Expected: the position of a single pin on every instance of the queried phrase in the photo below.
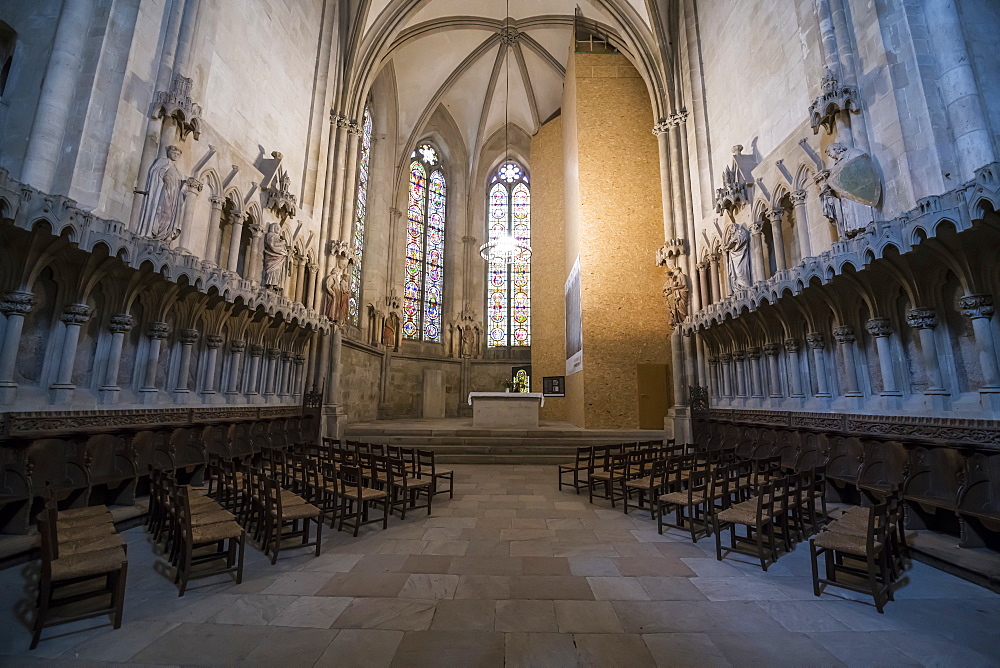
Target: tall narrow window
(509, 285)
(423, 276)
(358, 240)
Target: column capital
(300, 359)
(739, 355)
(725, 358)
(287, 356)
(921, 318)
(273, 354)
(213, 341)
(815, 340)
(775, 214)
(237, 346)
(713, 361)
(772, 349)
(157, 330)
(757, 228)
(792, 346)
(799, 197)
(193, 186)
(121, 323)
(395, 213)
(754, 353)
(75, 314)
(844, 334)
(17, 303)
(879, 327)
(976, 306)
(661, 126)
(256, 350)
(189, 336)
(217, 201)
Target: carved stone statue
(337, 286)
(275, 258)
(163, 188)
(467, 346)
(829, 200)
(389, 327)
(677, 294)
(737, 245)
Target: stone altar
(505, 409)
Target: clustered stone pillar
(192, 188)
(255, 257)
(188, 338)
(74, 317)
(845, 337)
(156, 331)
(213, 342)
(792, 347)
(714, 275)
(286, 364)
(801, 221)
(924, 320)
(713, 376)
(756, 380)
(252, 383)
(120, 325)
(757, 251)
(236, 348)
(15, 305)
(300, 361)
(774, 373)
(707, 296)
(273, 357)
(979, 309)
(881, 329)
(817, 344)
(739, 357)
(727, 379)
(777, 237)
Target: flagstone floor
(512, 572)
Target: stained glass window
(509, 285)
(358, 240)
(423, 275)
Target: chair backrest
(425, 463)
(765, 502)
(272, 494)
(584, 455)
(182, 502)
(349, 480)
(602, 453)
(47, 532)
(377, 449)
(393, 451)
(328, 473)
(698, 484)
(398, 469)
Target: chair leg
(319, 535)
(120, 579)
(239, 562)
(718, 540)
(813, 558)
(45, 598)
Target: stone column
(714, 275)
(661, 130)
(234, 241)
(817, 344)
(271, 371)
(845, 337)
(774, 373)
(120, 325)
(15, 305)
(881, 329)
(192, 188)
(677, 367)
(792, 348)
(756, 384)
(213, 342)
(979, 309)
(801, 216)
(188, 338)
(924, 320)
(727, 380)
(713, 375)
(58, 89)
(156, 331)
(707, 296)
(300, 361)
(757, 266)
(777, 236)
(739, 357)
(958, 88)
(255, 256)
(250, 382)
(283, 374)
(236, 349)
(214, 230)
(74, 317)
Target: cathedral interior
(499, 332)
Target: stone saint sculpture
(337, 286)
(467, 346)
(275, 258)
(737, 245)
(676, 294)
(163, 193)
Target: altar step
(460, 445)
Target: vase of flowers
(507, 385)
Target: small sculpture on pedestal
(275, 259)
(163, 191)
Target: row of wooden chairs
(591, 460)
(77, 546)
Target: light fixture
(506, 249)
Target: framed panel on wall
(554, 386)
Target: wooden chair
(282, 520)
(650, 487)
(404, 489)
(62, 570)
(757, 516)
(356, 499)
(611, 475)
(691, 506)
(195, 533)
(427, 468)
(841, 545)
(581, 464)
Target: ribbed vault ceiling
(459, 54)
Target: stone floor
(513, 572)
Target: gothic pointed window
(423, 274)
(360, 209)
(509, 285)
